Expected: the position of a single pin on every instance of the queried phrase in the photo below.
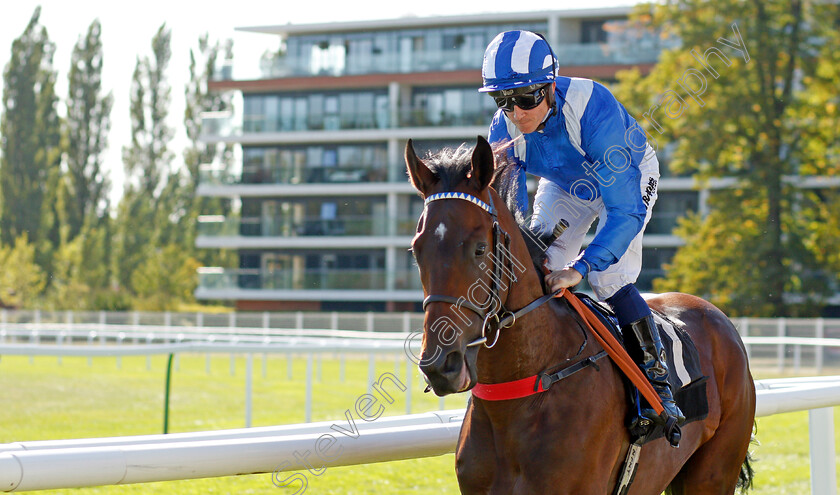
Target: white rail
(289, 449)
(111, 342)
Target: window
(670, 206)
(316, 112)
(593, 32)
(331, 120)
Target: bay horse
(572, 438)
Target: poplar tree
(87, 125)
(147, 162)
(30, 139)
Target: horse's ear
(483, 164)
(421, 177)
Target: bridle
(501, 317)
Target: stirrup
(673, 432)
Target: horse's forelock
(450, 165)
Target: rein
(501, 317)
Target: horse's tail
(745, 477)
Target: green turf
(42, 399)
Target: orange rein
(615, 350)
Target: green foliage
(133, 235)
(79, 277)
(86, 134)
(21, 279)
(69, 253)
(147, 159)
(762, 112)
(166, 278)
(30, 131)
(148, 213)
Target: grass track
(42, 399)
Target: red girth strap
(531, 385)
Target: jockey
(593, 161)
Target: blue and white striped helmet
(515, 59)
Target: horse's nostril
(453, 363)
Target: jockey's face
(527, 121)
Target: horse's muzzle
(451, 372)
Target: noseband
(502, 317)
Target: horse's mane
(452, 165)
(508, 188)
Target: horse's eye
(480, 249)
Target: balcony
(620, 52)
(422, 117)
(215, 279)
(214, 175)
(226, 125)
(220, 226)
(576, 54)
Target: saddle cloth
(686, 379)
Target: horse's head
(462, 250)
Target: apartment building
(325, 213)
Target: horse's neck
(540, 339)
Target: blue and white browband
(457, 195)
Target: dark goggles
(525, 101)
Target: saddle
(687, 381)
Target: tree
(141, 217)
(86, 128)
(31, 139)
(166, 279)
(21, 279)
(742, 98)
(79, 278)
(148, 158)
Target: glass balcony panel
(216, 175)
(282, 226)
(305, 279)
(571, 54)
(219, 124)
(412, 54)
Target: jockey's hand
(560, 279)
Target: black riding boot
(655, 367)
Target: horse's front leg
(475, 455)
